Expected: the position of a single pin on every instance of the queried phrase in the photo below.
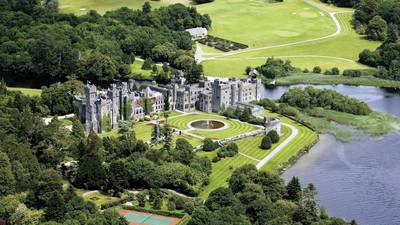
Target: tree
(167, 136)
(335, 71)
(141, 198)
(209, 145)
(317, 69)
(266, 142)
(56, 207)
(219, 198)
(57, 99)
(7, 181)
(392, 34)
(294, 189)
(183, 151)
(155, 133)
(246, 115)
(147, 64)
(25, 216)
(166, 102)
(201, 216)
(157, 202)
(91, 173)
(146, 8)
(274, 136)
(376, 29)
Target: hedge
(117, 203)
(154, 211)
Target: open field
(79, 7)
(235, 127)
(136, 69)
(341, 51)
(302, 78)
(259, 23)
(223, 169)
(27, 91)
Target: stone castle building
(101, 110)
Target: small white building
(197, 32)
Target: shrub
(209, 145)
(352, 73)
(317, 69)
(335, 71)
(274, 136)
(266, 142)
(228, 151)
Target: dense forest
(379, 20)
(40, 44)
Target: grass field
(235, 127)
(27, 91)
(80, 7)
(223, 169)
(302, 78)
(259, 23)
(136, 69)
(341, 51)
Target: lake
(359, 179)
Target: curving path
(199, 54)
(280, 147)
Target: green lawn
(304, 138)
(302, 78)
(142, 130)
(80, 7)
(259, 23)
(235, 127)
(341, 51)
(136, 70)
(27, 91)
(223, 169)
(99, 199)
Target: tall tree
(294, 189)
(7, 179)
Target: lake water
(359, 179)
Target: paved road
(280, 147)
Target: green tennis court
(141, 218)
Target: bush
(158, 212)
(352, 73)
(266, 142)
(274, 136)
(228, 151)
(335, 71)
(209, 145)
(317, 69)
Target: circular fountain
(207, 125)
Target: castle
(101, 110)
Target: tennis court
(142, 218)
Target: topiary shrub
(274, 136)
(266, 142)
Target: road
(294, 133)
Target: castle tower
(113, 94)
(91, 108)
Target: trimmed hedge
(154, 211)
(222, 44)
(117, 203)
